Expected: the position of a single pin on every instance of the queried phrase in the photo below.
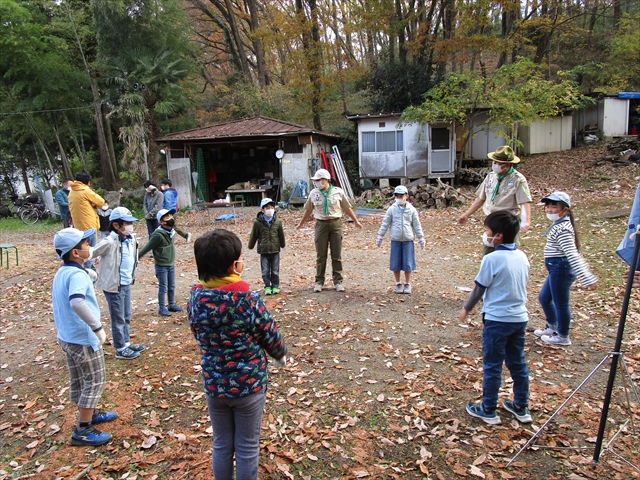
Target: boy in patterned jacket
(235, 332)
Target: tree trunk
(257, 43)
(313, 57)
(238, 40)
(110, 149)
(66, 169)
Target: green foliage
(394, 87)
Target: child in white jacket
(404, 225)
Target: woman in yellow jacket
(83, 202)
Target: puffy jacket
(270, 237)
(152, 204)
(170, 199)
(83, 202)
(110, 252)
(403, 223)
(161, 243)
(233, 329)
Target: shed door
(441, 150)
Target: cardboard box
(247, 185)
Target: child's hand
(280, 363)
(422, 243)
(463, 314)
(379, 241)
(101, 336)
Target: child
(118, 254)
(502, 283)
(234, 331)
(564, 263)
(164, 256)
(103, 215)
(402, 219)
(267, 231)
(151, 204)
(170, 202)
(80, 334)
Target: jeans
(236, 426)
(554, 296)
(92, 243)
(166, 285)
(328, 233)
(152, 225)
(503, 342)
(270, 265)
(120, 312)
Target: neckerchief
(325, 207)
(219, 282)
(500, 178)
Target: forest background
(92, 84)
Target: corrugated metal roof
(248, 127)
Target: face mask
(105, 207)
(89, 253)
(163, 187)
(148, 190)
(553, 216)
(485, 240)
(318, 185)
(496, 167)
(268, 212)
(400, 201)
(128, 230)
(170, 223)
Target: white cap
(266, 201)
(321, 173)
(400, 190)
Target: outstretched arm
(475, 206)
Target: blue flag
(625, 249)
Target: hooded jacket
(110, 252)
(83, 202)
(152, 204)
(170, 199)
(270, 237)
(161, 243)
(403, 223)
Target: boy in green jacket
(267, 231)
(164, 256)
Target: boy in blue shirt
(502, 281)
(80, 334)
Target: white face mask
(318, 184)
(496, 167)
(127, 229)
(105, 207)
(485, 240)
(553, 216)
(400, 201)
(268, 212)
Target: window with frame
(392, 141)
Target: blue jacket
(625, 249)
(170, 199)
(62, 197)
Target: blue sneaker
(89, 436)
(522, 414)
(175, 308)
(137, 348)
(477, 410)
(102, 417)
(127, 354)
(164, 312)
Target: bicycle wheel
(29, 215)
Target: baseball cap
(400, 190)
(321, 173)
(266, 201)
(557, 197)
(164, 212)
(66, 239)
(122, 213)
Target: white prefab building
(610, 115)
(549, 135)
(388, 149)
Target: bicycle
(33, 211)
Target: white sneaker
(407, 288)
(546, 331)
(339, 287)
(317, 288)
(556, 339)
(188, 239)
(399, 287)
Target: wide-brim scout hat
(504, 154)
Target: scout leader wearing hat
(503, 188)
(268, 232)
(327, 204)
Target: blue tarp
(227, 216)
(632, 95)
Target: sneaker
(275, 290)
(522, 414)
(339, 287)
(102, 417)
(188, 238)
(127, 354)
(267, 290)
(477, 410)
(164, 312)
(399, 288)
(407, 288)
(317, 288)
(89, 436)
(175, 308)
(556, 339)
(546, 331)
(136, 348)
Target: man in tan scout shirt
(503, 188)
(327, 204)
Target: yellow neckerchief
(219, 282)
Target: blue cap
(66, 239)
(401, 190)
(164, 212)
(122, 213)
(266, 201)
(558, 197)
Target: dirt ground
(377, 382)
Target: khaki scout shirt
(513, 192)
(338, 202)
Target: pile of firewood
(471, 175)
(621, 152)
(425, 195)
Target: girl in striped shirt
(564, 264)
